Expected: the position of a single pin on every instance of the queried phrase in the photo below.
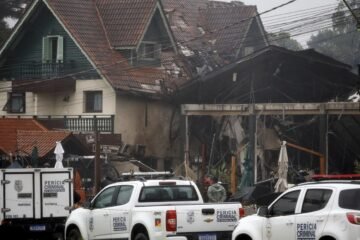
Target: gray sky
(264, 5)
(296, 9)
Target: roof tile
(82, 20)
(9, 128)
(125, 20)
(99, 26)
(45, 141)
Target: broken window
(93, 101)
(15, 103)
(248, 50)
(149, 51)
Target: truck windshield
(168, 194)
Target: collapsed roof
(274, 74)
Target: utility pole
(354, 15)
(97, 163)
(252, 142)
(186, 157)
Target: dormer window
(53, 49)
(248, 50)
(149, 51)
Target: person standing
(215, 192)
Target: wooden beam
(307, 150)
(330, 108)
(322, 164)
(233, 175)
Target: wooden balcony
(44, 77)
(37, 70)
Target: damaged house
(124, 67)
(115, 66)
(282, 81)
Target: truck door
(56, 194)
(99, 224)
(19, 199)
(281, 223)
(120, 213)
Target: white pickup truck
(325, 210)
(35, 201)
(153, 209)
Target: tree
(10, 9)
(283, 39)
(342, 40)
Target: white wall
(130, 114)
(5, 87)
(64, 103)
(72, 103)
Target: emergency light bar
(318, 177)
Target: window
(15, 103)
(285, 205)
(53, 49)
(124, 195)
(315, 199)
(104, 199)
(349, 199)
(149, 51)
(93, 101)
(168, 194)
(248, 50)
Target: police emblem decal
(18, 185)
(190, 217)
(91, 224)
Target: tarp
(282, 184)
(59, 154)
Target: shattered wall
(153, 124)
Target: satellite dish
(216, 193)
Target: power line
(80, 100)
(132, 67)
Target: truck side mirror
(263, 211)
(87, 204)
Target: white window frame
(142, 54)
(47, 49)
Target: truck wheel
(141, 236)
(74, 234)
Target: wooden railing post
(112, 123)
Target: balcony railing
(39, 70)
(90, 124)
(83, 124)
